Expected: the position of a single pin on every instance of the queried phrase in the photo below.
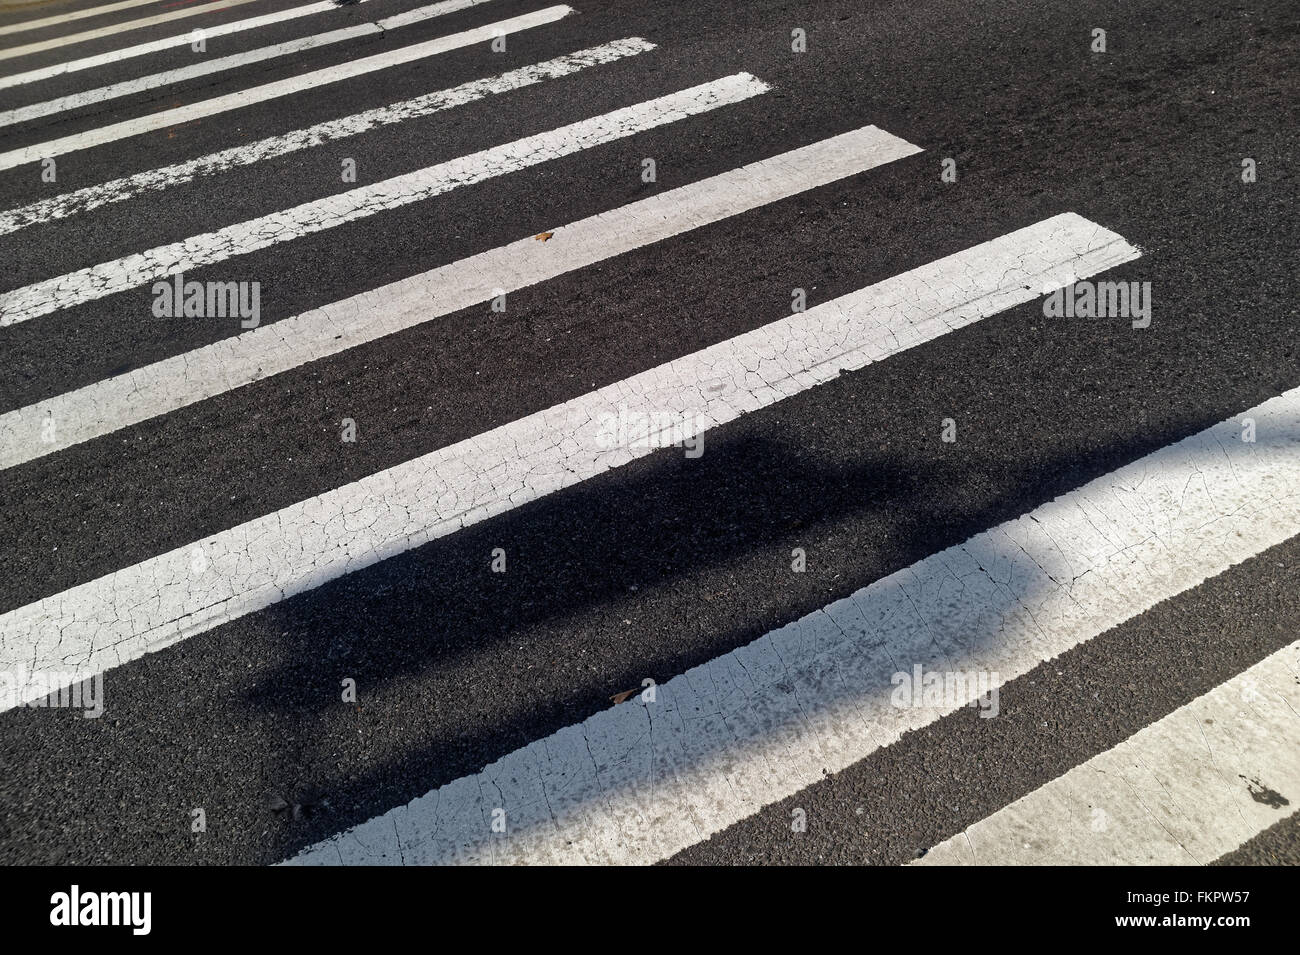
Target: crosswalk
(83, 36)
(211, 66)
(479, 627)
(209, 32)
(84, 285)
(1184, 813)
(269, 91)
(119, 190)
(816, 695)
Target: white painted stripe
(153, 180)
(42, 45)
(641, 781)
(52, 107)
(255, 355)
(40, 24)
(184, 39)
(169, 78)
(279, 88)
(204, 67)
(1183, 791)
(124, 615)
(98, 281)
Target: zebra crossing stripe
(268, 91)
(235, 61)
(41, 46)
(210, 33)
(159, 601)
(88, 284)
(207, 67)
(1183, 791)
(85, 413)
(648, 778)
(43, 22)
(165, 177)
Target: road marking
(102, 94)
(119, 190)
(208, 248)
(644, 780)
(285, 87)
(184, 39)
(1185, 790)
(124, 615)
(72, 38)
(182, 380)
(235, 61)
(73, 15)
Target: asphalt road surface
(649, 432)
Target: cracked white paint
(86, 285)
(25, 25)
(175, 382)
(639, 782)
(99, 32)
(314, 80)
(121, 616)
(171, 42)
(153, 180)
(1185, 790)
(207, 67)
